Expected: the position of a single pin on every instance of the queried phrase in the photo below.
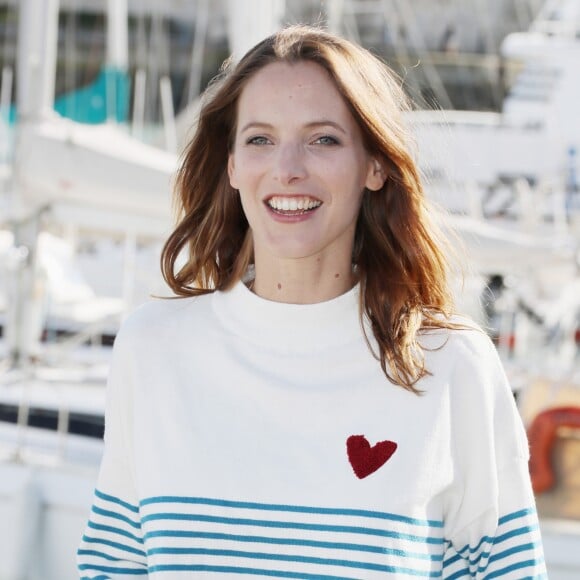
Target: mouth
(293, 205)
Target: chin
(292, 248)
(294, 254)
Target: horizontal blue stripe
(513, 567)
(114, 570)
(516, 515)
(465, 559)
(516, 532)
(116, 516)
(500, 555)
(118, 501)
(292, 508)
(238, 570)
(459, 574)
(502, 538)
(481, 556)
(507, 569)
(492, 559)
(468, 548)
(291, 525)
(123, 547)
(292, 542)
(503, 520)
(98, 554)
(101, 577)
(114, 530)
(514, 550)
(452, 560)
(289, 558)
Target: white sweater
(253, 438)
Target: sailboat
(88, 178)
(66, 177)
(535, 137)
(517, 172)
(100, 179)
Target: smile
(295, 205)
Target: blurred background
(98, 99)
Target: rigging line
(158, 58)
(334, 11)
(523, 11)
(140, 83)
(197, 51)
(491, 47)
(401, 52)
(349, 22)
(69, 60)
(407, 13)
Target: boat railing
(50, 422)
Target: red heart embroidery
(366, 459)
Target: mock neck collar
(290, 327)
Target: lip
(294, 217)
(291, 196)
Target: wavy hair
(397, 252)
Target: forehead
(301, 89)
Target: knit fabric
(252, 438)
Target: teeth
(293, 203)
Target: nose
(290, 164)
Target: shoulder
(462, 338)
(481, 400)
(472, 342)
(465, 358)
(161, 319)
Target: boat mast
(36, 66)
(117, 59)
(251, 21)
(36, 58)
(117, 35)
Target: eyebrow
(311, 125)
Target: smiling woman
(269, 423)
(301, 168)
(349, 105)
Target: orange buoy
(542, 436)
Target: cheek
(352, 186)
(245, 172)
(350, 179)
(249, 204)
(350, 168)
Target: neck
(301, 281)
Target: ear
(232, 171)
(376, 175)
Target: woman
(309, 409)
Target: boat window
(86, 424)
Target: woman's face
(299, 163)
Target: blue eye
(327, 140)
(258, 140)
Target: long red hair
(397, 252)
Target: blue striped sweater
(251, 438)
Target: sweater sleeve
(112, 545)
(491, 524)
